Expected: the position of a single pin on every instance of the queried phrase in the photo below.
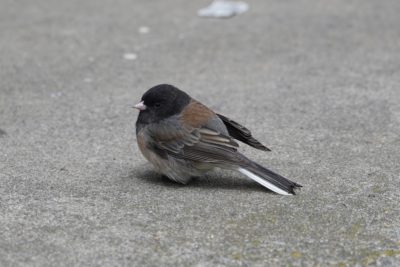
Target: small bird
(183, 138)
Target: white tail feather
(263, 182)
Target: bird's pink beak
(140, 106)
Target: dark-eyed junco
(183, 138)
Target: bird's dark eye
(157, 105)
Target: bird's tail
(268, 178)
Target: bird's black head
(160, 102)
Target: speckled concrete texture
(317, 81)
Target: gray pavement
(317, 81)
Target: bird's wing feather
(241, 133)
(199, 144)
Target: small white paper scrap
(223, 9)
(130, 56)
(144, 29)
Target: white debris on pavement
(144, 29)
(223, 9)
(130, 56)
(56, 94)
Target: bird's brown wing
(241, 133)
(198, 144)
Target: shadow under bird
(183, 138)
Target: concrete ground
(317, 81)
